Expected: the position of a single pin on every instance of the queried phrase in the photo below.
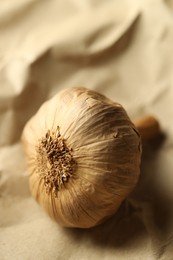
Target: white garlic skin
(105, 146)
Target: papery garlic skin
(105, 152)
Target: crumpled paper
(122, 49)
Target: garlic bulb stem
(148, 128)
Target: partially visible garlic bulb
(83, 155)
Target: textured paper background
(122, 49)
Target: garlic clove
(83, 155)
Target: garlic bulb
(83, 155)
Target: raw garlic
(83, 154)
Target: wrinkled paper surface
(122, 49)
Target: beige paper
(122, 49)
